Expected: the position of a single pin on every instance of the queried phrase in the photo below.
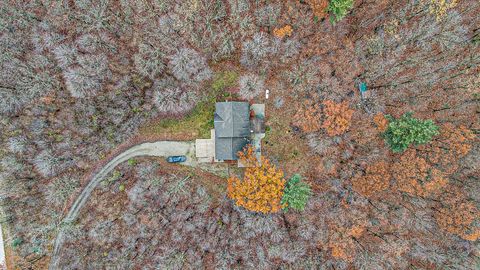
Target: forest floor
(197, 123)
(146, 71)
(155, 149)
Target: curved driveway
(155, 149)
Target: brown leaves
(357, 231)
(338, 251)
(341, 242)
(337, 117)
(376, 179)
(319, 7)
(458, 217)
(424, 172)
(381, 122)
(452, 144)
(308, 117)
(415, 176)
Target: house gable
(232, 129)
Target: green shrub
(296, 194)
(476, 39)
(132, 162)
(339, 9)
(115, 176)
(406, 130)
(17, 242)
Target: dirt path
(155, 149)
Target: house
(232, 129)
(237, 124)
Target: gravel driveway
(155, 149)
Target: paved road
(156, 149)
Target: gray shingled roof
(232, 129)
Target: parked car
(176, 159)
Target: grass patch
(280, 142)
(199, 121)
(223, 80)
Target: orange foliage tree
(283, 31)
(308, 118)
(424, 171)
(261, 188)
(458, 216)
(340, 250)
(341, 242)
(376, 179)
(415, 176)
(319, 7)
(452, 144)
(381, 122)
(337, 117)
(247, 157)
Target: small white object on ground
(267, 92)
